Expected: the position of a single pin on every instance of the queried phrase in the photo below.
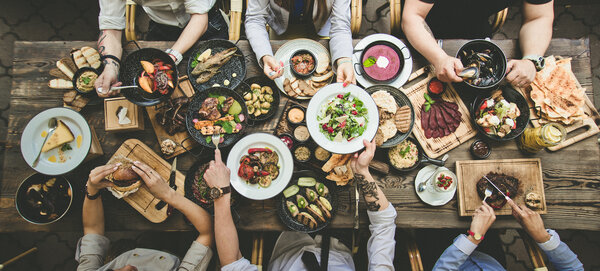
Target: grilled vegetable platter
(308, 203)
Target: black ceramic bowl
(291, 222)
(422, 158)
(294, 124)
(132, 69)
(497, 55)
(479, 141)
(303, 75)
(394, 48)
(401, 100)
(237, 65)
(60, 197)
(195, 105)
(244, 88)
(510, 95)
(296, 146)
(78, 74)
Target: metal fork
(488, 192)
(216, 137)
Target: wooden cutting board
(435, 147)
(527, 171)
(142, 200)
(184, 87)
(586, 128)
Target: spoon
(216, 138)
(470, 72)
(488, 192)
(52, 123)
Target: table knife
(161, 204)
(356, 222)
(495, 187)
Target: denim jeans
(217, 29)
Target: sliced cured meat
(441, 122)
(432, 121)
(424, 119)
(450, 120)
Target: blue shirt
(461, 255)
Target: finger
(516, 208)
(142, 174)
(143, 167)
(218, 156)
(487, 208)
(511, 76)
(510, 66)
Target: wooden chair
(534, 251)
(235, 18)
(396, 17)
(257, 250)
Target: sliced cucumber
(290, 191)
(306, 181)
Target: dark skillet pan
(282, 209)
(423, 158)
(195, 105)
(394, 48)
(132, 69)
(237, 65)
(190, 179)
(401, 100)
(244, 88)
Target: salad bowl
(339, 118)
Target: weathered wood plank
(571, 176)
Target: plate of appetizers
(66, 146)
(216, 63)
(339, 118)
(263, 166)
(309, 202)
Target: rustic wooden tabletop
(571, 176)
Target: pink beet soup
(382, 73)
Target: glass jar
(534, 139)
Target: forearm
(256, 31)
(535, 36)
(93, 214)
(421, 38)
(226, 234)
(195, 28)
(374, 197)
(109, 43)
(199, 217)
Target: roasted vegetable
(311, 195)
(324, 209)
(306, 181)
(306, 219)
(325, 203)
(292, 208)
(301, 201)
(322, 189)
(316, 212)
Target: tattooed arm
(420, 36)
(374, 197)
(109, 43)
(382, 215)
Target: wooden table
(571, 176)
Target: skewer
(16, 258)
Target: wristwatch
(216, 192)
(538, 61)
(177, 55)
(476, 236)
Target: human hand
(345, 73)
(520, 72)
(109, 78)
(483, 218)
(271, 68)
(447, 69)
(217, 174)
(97, 181)
(530, 221)
(360, 163)
(155, 183)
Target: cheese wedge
(61, 135)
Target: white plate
(324, 95)
(286, 166)
(434, 198)
(31, 141)
(356, 62)
(285, 52)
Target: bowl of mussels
(484, 62)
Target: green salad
(343, 118)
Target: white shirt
(380, 249)
(168, 12)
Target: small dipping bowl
(310, 72)
(300, 148)
(301, 133)
(287, 140)
(433, 84)
(78, 74)
(296, 115)
(322, 154)
(480, 149)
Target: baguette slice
(59, 83)
(79, 59)
(91, 56)
(55, 72)
(69, 96)
(63, 66)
